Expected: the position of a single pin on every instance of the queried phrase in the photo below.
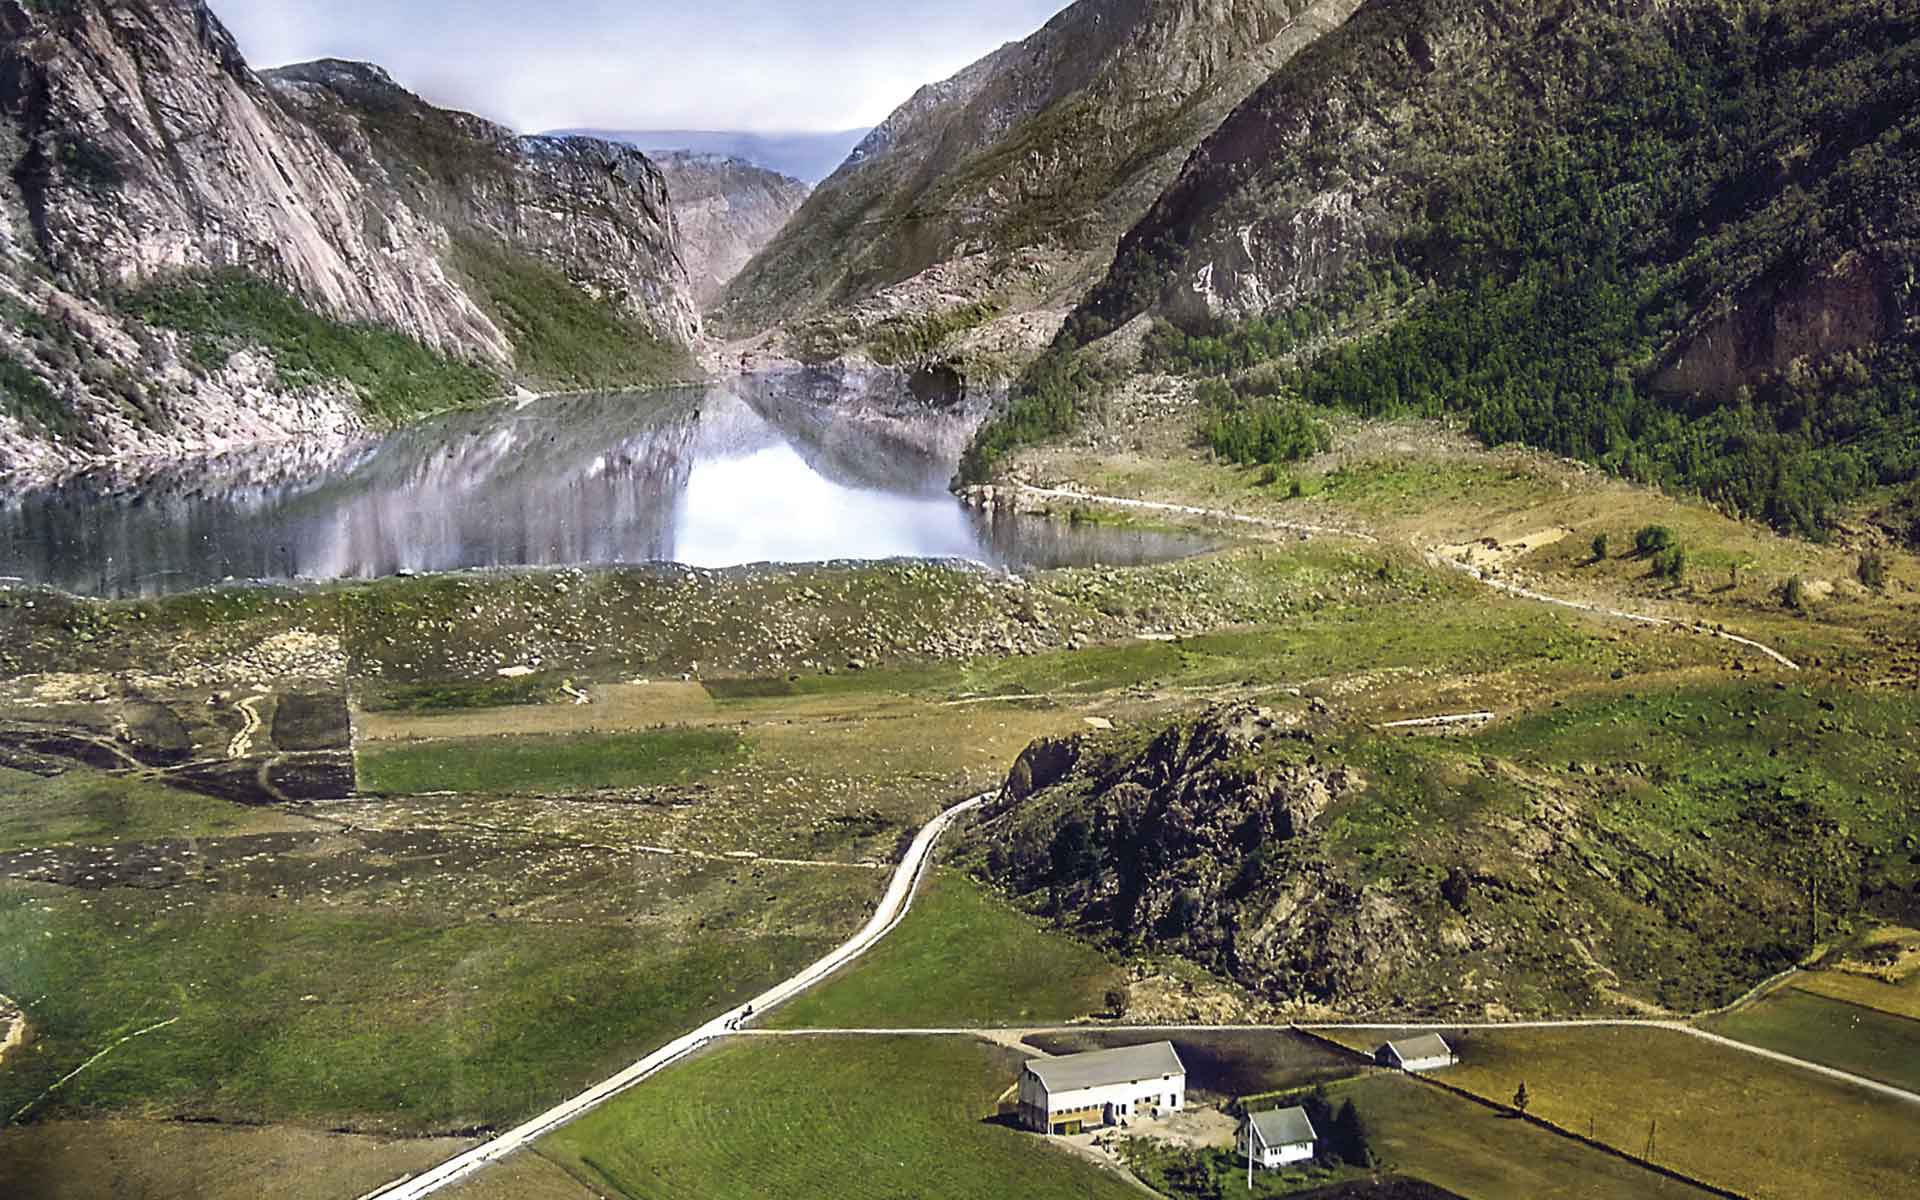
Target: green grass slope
(961, 958)
(833, 1119)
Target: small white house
(1276, 1138)
(1069, 1095)
(1427, 1053)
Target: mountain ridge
(193, 255)
(1010, 178)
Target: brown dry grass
(143, 1160)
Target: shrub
(1260, 429)
(1671, 564)
(1601, 545)
(1652, 540)
(1794, 595)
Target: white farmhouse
(1278, 1137)
(1089, 1091)
(1428, 1053)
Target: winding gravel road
(893, 908)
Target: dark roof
(1284, 1127)
(1103, 1067)
(1430, 1045)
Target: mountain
(808, 157)
(728, 210)
(194, 255)
(1673, 237)
(1011, 181)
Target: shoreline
(29, 479)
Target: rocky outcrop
(1052, 145)
(1458, 884)
(728, 211)
(142, 147)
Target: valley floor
(300, 878)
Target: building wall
(1279, 1156)
(1426, 1064)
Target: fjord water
(756, 470)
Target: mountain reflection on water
(756, 470)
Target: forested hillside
(1675, 239)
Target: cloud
(714, 64)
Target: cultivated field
(146, 1160)
(1838, 1033)
(1713, 1113)
(1464, 1148)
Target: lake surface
(774, 469)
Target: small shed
(1278, 1137)
(1428, 1052)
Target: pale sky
(762, 65)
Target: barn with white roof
(1106, 1087)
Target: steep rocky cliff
(1011, 180)
(157, 184)
(1319, 867)
(728, 211)
(596, 210)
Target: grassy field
(836, 1119)
(961, 957)
(550, 765)
(1860, 1040)
(145, 1160)
(1736, 1120)
(1901, 999)
(1466, 1149)
(413, 985)
(94, 807)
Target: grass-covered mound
(1619, 851)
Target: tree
(1601, 545)
(1456, 888)
(1319, 1110)
(1671, 564)
(1794, 595)
(1521, 1099)
(1350, 1139)
(1873, 569)
(1119, 1000)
